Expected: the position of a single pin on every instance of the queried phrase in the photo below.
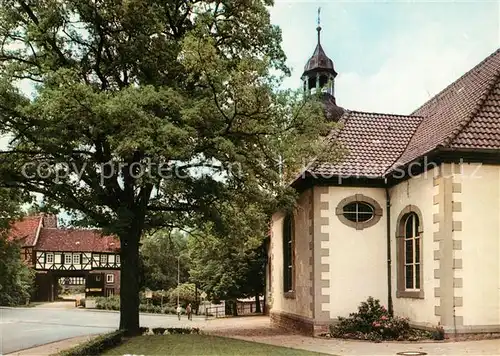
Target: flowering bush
(373, 322)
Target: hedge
(95, 346)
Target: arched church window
(412, 252)
(409, 238)
(288, 254)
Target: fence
(242, 308)
(217, 312)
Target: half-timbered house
(72, 256)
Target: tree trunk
(235, 307)
(257, 303)
(129, 283)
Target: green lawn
(199, 345)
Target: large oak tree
(148, 113)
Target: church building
(409, 214)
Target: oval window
(358, 211)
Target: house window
(97, 277)
(412, 253)
(358, 211)
(409, 240)
(67, 259)
(110, 278)
(49, 258)
(76, 259)
(288, 255)
(117, 259)
(104, 259)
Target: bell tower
(319, 73)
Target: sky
(390, 56)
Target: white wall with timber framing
(76, 261)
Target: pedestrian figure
(189, 311)
(179, 310)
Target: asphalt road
(22, 328)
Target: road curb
(52, 347)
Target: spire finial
(319, 24)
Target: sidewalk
(361, 348)
(258, 329)
(53, 347)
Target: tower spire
(319, 25)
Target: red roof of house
(76, 240)
(25, 230)
(464, 116)
(56, 239)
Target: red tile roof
(465, 115)
(76, 240)
(462, 115)
(25, 230)
(370, 143)
(483, 131)
(56, 239)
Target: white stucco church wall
(357, 258)
(480, 245)
(417, 191)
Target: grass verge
(196, 345)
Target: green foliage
(108, 303)
(233, 265)
(16, 279)
(180, 91)
(159, 254)
(113, 303)
(169, 331)
(186, 293)
(95, 346)
(373, 322)
(438, 333)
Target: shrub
(438, 333)
(159, 331)
(113, 303)
(373, 322)
(95, 346)
(109, 303)
(144, 330)
(182, 331)
(169, 310)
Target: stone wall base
(472, 329)
(292, 322)
(299, 324)
(308, 326)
